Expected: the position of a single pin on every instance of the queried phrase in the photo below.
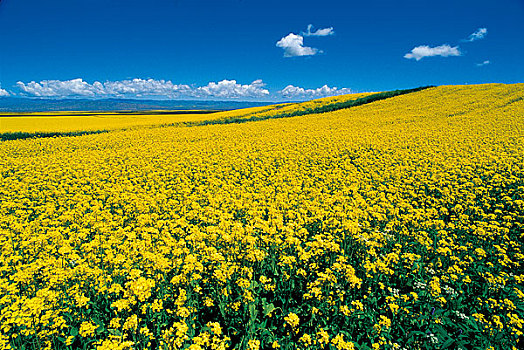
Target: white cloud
(142, 88)
(57, 88)
(479, 34)
(81, 88)
(420, 52)
(231, 89)
(293, 45)
(3, 93)
(165, 89)
(318, 32)
(295, 92)
(486, 62)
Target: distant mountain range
(14, 104)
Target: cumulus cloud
(477, 35)
(57, 88)
(293, 45)
(295, 92)
(165, 89)
(81, 88)
(3, 93)
(486, 62)
(318, 32)
(143, 88)
(140, 88)
(231, 89)
(420, 52)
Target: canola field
(396, 224)
(64, 122)
(69, 123)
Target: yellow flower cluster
(292, 320)
(87, 329)
(394, 222)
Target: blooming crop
(395, 224)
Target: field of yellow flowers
(397, 224)
(66, 122)
(15, 125)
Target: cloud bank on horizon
(141, 88)
(293, 44)
(152, 88)
(295, 92)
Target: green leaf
(447, 343)
(115, 332)
(442, 331)
(268, 309)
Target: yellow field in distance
(102, 121)
(85, 121)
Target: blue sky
(241, 49)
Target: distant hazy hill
(10, 104)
